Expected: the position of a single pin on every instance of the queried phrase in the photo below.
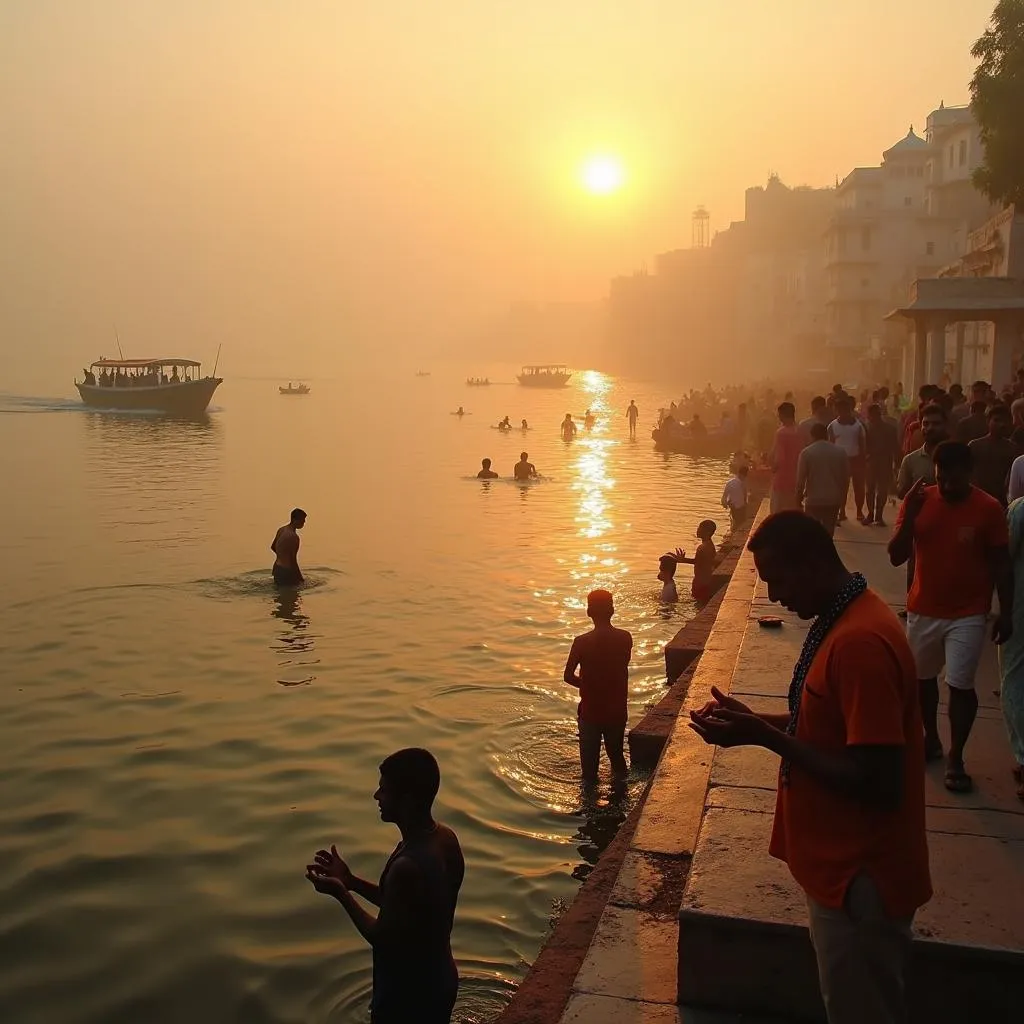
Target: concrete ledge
(741, 906)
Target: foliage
(997, 100)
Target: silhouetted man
(286, 550)
(632, 414)
(850, 807)
(524, 468)
(414, 974)
(486, 473)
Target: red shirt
(789, 443)
(953, 547)
(603, 657)
(861, 690)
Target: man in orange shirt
(849, 814)
(602, 658)
(959, 538)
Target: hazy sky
(332, 173)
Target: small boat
(294, 389)
(478, 382)
(139, 385)
(422, 373)
(551, 375)
(710, 447)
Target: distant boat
(294, 389)
(422, 373)
(478, 382)
(551, 375)
(145, 385)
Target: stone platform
(743, 908)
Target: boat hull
(547, 381)
(187, 398)
(710, 447)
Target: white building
(894, 224)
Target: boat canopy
(141, 364)
(546, 368)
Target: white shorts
(954, 643)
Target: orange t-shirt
(861, 690)
(603, 657)
(953, 543)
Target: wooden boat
(144, 385)
(478, 382)
(710, 447)
(294, 389)
(551, 375)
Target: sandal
(958, 781)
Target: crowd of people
(863, 702)
(135, 377)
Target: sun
(602, 175)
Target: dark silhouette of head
(787, 412)
(934, 423)
(875, 413)
(819, 432)
(953, 465)
(409, 781)
(523, 456)
(666, 568)
(600, 606)
(297, 519)
(1000, 422)
(818, 404)
(798, 562)
(706, 529)
(486, 463)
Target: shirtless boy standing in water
(286, 550)
(703, 562)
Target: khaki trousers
(862, 957)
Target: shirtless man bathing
(286, 551)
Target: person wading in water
(414, 972)
(286, 550)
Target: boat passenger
(90, 378)
(175, 379)
(697, 427)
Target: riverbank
(636, 871)
(695, 890)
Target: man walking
(959, 536)
(819, 414)
(822, 477)
(882, 446)
(847, 432)
(785, 453)
(992, 455)
(850, 811)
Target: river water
(179, 738)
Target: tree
(997, 100)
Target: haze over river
(179, 737)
